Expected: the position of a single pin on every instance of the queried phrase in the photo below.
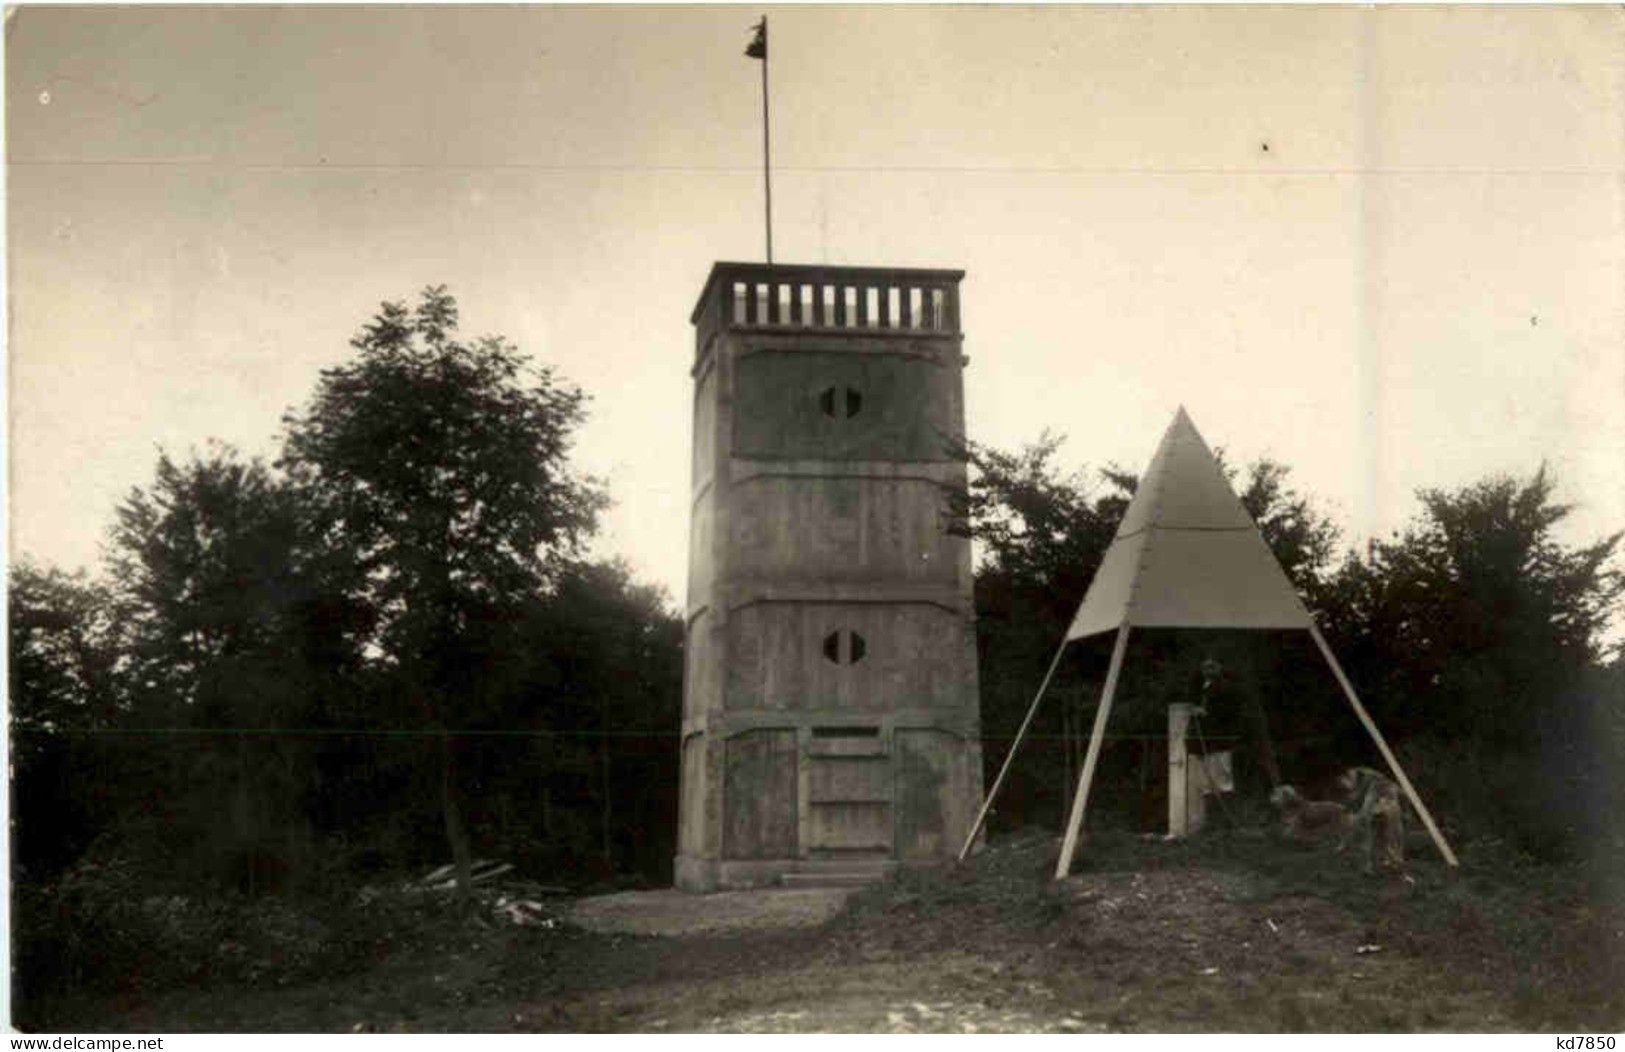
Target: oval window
(837, 402)
(845, 648)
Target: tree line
(386, 647)
(382, 649)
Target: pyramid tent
(1186, 555)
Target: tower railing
(852, 299)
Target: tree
(616, 653)
(63, 651)
(1476, 615)
(234, 646)
(441, 467)
(577, 764)
(1478, 635)
(1041, 530)
(205, 560)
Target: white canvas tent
(1186, 555)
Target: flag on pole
(758, 49)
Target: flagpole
(767, 148)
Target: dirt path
(1169, 951)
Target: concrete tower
(829, 703)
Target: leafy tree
(1479, 636)
(205, 559)
(441, 466)
(1041, 531)
(232, 649)
(1475, 617)
(578, 764)
(1039, 527)
(63, 648)
(616, 652)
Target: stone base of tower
(705, 875)
(811, 805)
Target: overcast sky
(1384, 246)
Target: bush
(1547, 799)
(101, 930)
(93, 931)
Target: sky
(1384, 246)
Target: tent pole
(987, 805)
(1066, 743)
(1074, 824)
(1382, 746)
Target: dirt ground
(1164, 951)
(1230, 935)
(672, 912)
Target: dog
(1379, 820)
(1312, 821)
